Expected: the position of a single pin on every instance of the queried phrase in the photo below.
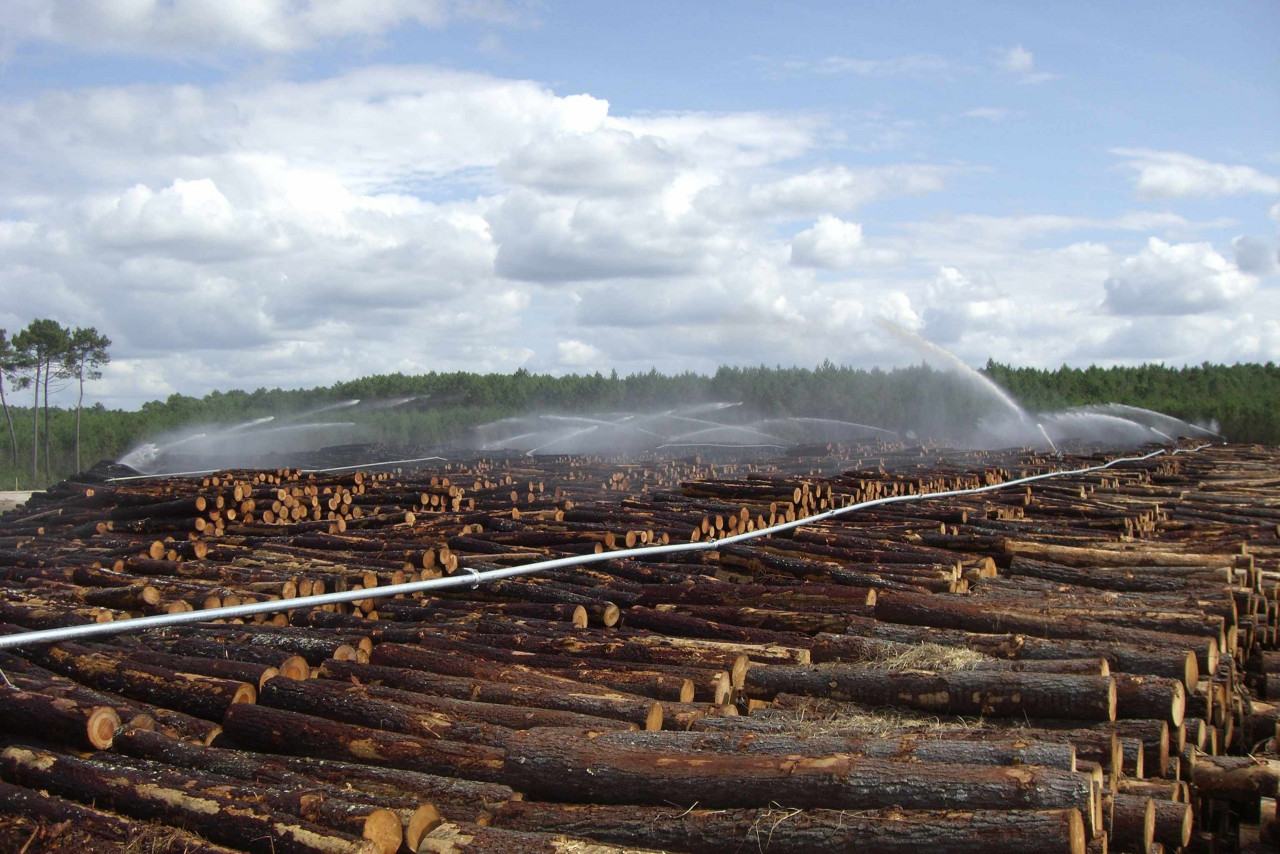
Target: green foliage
(1243, 399)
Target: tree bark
(790, 831)
(916, 747)
(355, 704)
(44, 716)
(280, 731)
(217, 817)
(202, 696)
(453, 838)
(1150, 698)
(1133, 822)
(118, 829)
(629, 708)
(957, 692)
(561, 765)
(710, 684)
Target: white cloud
(602, 162)
(576, 354)
(1015, 60)
(831, 243)
(408, 218)
(836, 189)
(958, 305)
(1019, 61)
(187, 28)
(993, 114)
(1172, 175)
(1254, 256)
(913, 65)
(1175, 279)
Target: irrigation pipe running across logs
(468, 577)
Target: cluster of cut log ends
(1080, 665)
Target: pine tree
(86, 353)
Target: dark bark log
(560, 765)
(1133, 822)
(454, 838)
(313, 645)
(688, 626)
(919, 747)
(788, 831)
(1150, 698)
(279, 731)
(190, 647)
(60, 718)
(108, 826)
(31, 677)
(644, 683)
(1235, 778)
(202, 696)
(237, 671)
(215, 816)
(504, 703)
(1158, 660)
(710, 683)
(462, 797)
(975, 692)
(353, 704)
(958, 613)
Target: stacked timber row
(1085, 663)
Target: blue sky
(274, 193)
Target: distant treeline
(429, 409)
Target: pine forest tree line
(424, 410)
(46, 353)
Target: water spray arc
(474, 578)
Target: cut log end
(424, 820)
(653, 720)
(579, 619)
(101, 726)
(245, 693)
(687, 691)
(382, 827)
(1077, 839)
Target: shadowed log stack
(1078, 664)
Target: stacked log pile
(1084, 663)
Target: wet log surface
(980, 673)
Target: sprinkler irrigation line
(469, 577)
(304, 471)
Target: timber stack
(1084, 663)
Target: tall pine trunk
(47, 370)
(79, 406)
(35, 429)
(13, 437)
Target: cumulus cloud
(183, 28)
(823, 190)
(1254, 256)
(602, 162)
(577, 354)
(410, 218)
(959, 304)
(1174, 175)
(1015, 60)
(1021, 62)
(1175, 279)
(831, 243)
